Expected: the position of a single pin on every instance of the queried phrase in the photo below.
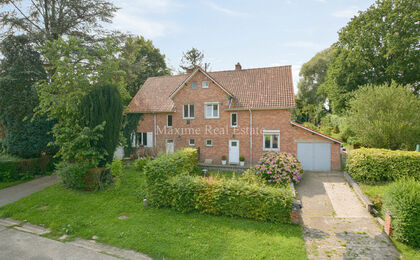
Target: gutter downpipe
(250, 137)
(154, 133)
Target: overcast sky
(256, 33)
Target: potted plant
(242, 161)
(224, 160)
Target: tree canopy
(379, 45)
(193, 58)
(44, 20)
(385, 116)
(140, 60)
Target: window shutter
(149, 139)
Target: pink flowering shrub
(277, 167)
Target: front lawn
(159, 233)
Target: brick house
(241, 112)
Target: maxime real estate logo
(209, 130)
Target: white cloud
(347, 13)
(146, 27)
(295, 73)
(221, 9)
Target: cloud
(226, 11)
(295, 73)
(146, 27)
(149, 6)
(347, 13)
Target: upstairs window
(209, 142)
(271, 140)
(194, 85)
(205, 84)
(169, 121)
(192, 142)
(211, 110)
(189, 111)
(234, 120)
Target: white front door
(169, 146)
(233, 151)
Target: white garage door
(314, 156)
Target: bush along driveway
(335, 224)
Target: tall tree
(45, 20)
(139, 59)
(103, 104)
(192, 59)
(309, 99)
(19, 70)
(377, 46)
(385, 116)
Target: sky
(255, 33)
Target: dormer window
(205, 84)
(211, 110)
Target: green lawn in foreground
(160, 233)
(376, 193)
(11, 183)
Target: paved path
(19, 191)
(336, 225)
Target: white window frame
(193, 143)
(196, 85)
(144, 136)
(189, 111)
(231, 125)
(211, 143)
(211, 104)
(272, 133)
(205, 86)
(167, 121)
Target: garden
(187, 215)
(391, 179)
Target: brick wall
(219, 131)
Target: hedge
(380, 165)
(13, 168)
(165, 166)
(230, 197)
(403, 200)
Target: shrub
(140, 163)
(403, 200)
(72, 174)
(230, 197)
(242, 159)
(167, 165)
(13, 168)
(117, 169)
(277, 167)
(224, 157)
(379, 165)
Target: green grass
(160, 233)
(11, 183)
(376, 193)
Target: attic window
(194, 85)
(205, 84)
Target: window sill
(271, 149)
(188, 118)
(234, 126)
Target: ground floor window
(271, 140)
(209, 142)
(192, 142)
(144, 139)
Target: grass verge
(11, 183)
(159, 233)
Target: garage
(314, 156)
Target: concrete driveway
(336, 225)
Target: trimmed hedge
(403, 200)
(380, 165)
(13, 168)
(171, 184)
(165, 166)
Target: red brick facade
(219, 130)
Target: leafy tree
(103, 105)
(309, 100)
(19, 70)
(73, 77)
(385, 116)
(193, 58)
(44, 20)
(378, 46)
(139, 59)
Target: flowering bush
(278, 167)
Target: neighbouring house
(240, 112)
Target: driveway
(335, 223)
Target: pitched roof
(259, 88)
(316, 132)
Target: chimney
(238, 66)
